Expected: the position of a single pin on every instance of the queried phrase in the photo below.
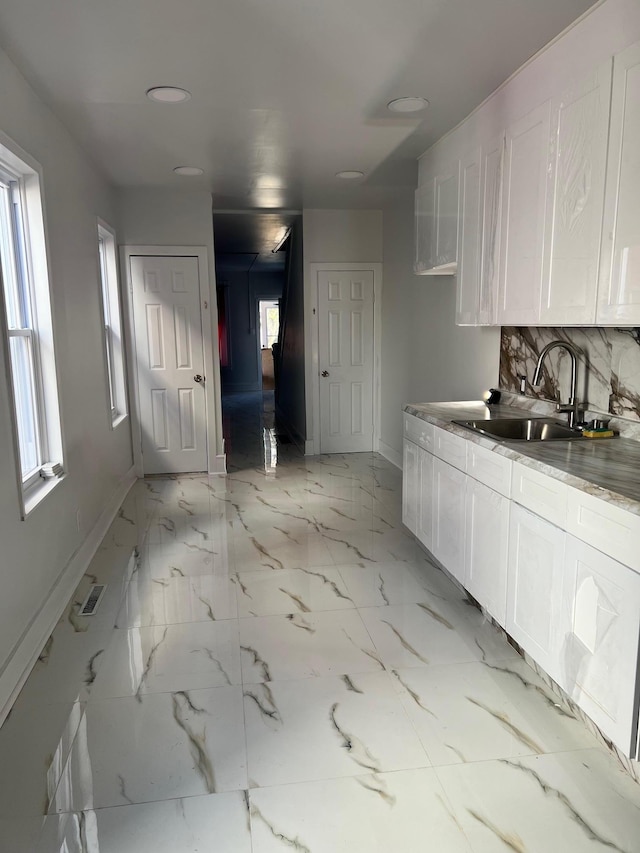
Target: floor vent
(92, 601)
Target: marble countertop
(606, 468)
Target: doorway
(269, 330)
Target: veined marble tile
(291, 591)
(279, 549)
(337, 519)
(405, 811)
(167, 602)
(170, 658)
(476, 711)
(165, 746)
(407, 635)
(186, 559)
(322, 728)
(34, 745)
(302, 645)
(373, 547)
(384, 583)
(66, 669)
(577, 801)
(217, 822)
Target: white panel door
(469, 241)
(535, 588)
(425, 209)
(410, 484)
(345, 359)
(487, 547)
(600, 652)
(491, 185)
(619, 289)
(425, 499)
(168, 328)
(449, 517)
(575, 200)
(523, 218)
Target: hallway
(275, 665)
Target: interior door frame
(200, 253)
(312, 335)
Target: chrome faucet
(571, 407)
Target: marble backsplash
(608, 372)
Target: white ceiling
(245, 242)
(285, 92)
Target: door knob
(198, 378)
(325, 373)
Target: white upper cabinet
(619, 293)
(575, 200)
(425, 207)
(523, 218)
(436, 221)
(491, 178)
(469, 240)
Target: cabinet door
(487, 547)
(410, 474)
(523, 218)
(575, 200)
(425, 500)
(469, 241)
(619, 288)
(534, 588)
(425, 207)
(600, 650)
(491, 180)
(449, 517)
(446, 207)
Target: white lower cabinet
(449, 517)
(410, 475)
(535, 588)
(425, 499)
(487, 548)
(599, 654)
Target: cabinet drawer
(540, 493)
(450, 448)
(418, 431)
(608, 528)
(489, 468)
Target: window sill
(115, 423)
(38, 493)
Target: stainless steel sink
(523, 429)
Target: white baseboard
(17, 669)
(219, 464)
(390, 454)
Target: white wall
(425, 356)
(35, 552)
(333, 237)
(156, 217)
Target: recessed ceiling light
(188, 170)
(168, 94)
(350, 174)
(407, 105)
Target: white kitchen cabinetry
(534, 598)
(491, 179)
(599, 653)
(575, 200)
(425, 500)
(469, 245)
(449, 517)
(619, 291)
(410, 481)
(523, 218)
(486, 548)
(436, 220)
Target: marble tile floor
(277, 666)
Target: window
(112, 327)
(27, 322)
(269, 323)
